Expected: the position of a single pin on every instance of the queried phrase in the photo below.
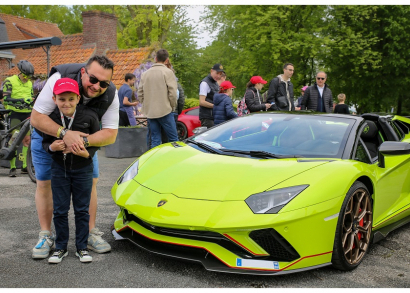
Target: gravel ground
(386, 265)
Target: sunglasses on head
(320, 78)
(94, 80)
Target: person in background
(281, 90)
(299, 101)
(127, 117)
(158, 94)
(342, 108)
(318, 97)
(253, 98)
(223, 109)
(223, 78)
(19, 86)
(207, 89)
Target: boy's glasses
(26, 76)
(94, 80)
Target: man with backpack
(281, 90)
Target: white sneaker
(44, 245)
(58, 256)
(96, 243)
(83, 255)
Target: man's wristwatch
(63, 132)
(86, 143)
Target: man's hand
(73, 137)
(80, 150)
(57, 145)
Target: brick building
(99, 36)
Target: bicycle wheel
(30, 165)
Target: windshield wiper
(262, 154)
(206, 147)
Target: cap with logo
(218, 67)
(64, 85)
(257, 79)
(227, 85)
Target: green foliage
(363, 49)
(189, 103)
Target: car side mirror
(392, 148)
(199, 130)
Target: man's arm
(171, 82)
(204, 89)
(273, 87)
(126, 102)
(140, 92)
(103, 137)
(46, 125)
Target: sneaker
(58, 256)
(83, 255)
(96, 243)
(24, 170)
(12, 172)
(44, 244)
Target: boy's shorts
(42, 160)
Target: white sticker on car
(260, 264)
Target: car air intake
(274, 244)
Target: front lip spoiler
(193, 254)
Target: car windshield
(284, 135)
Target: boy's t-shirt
(85, 120)
(342, 109)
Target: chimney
(100, 28)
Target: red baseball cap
(64, 85)
(257, 79)
(227, 85)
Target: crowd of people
(79, 110)
(214, 107)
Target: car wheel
(182, 131)
(354, 227)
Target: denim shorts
(42, 160)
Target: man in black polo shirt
(207, 88)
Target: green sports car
(270, 193)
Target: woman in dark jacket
(223, 109)
(253, 98)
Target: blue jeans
(42, 160)
(168, 124)
(64, 184)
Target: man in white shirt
(98, 93)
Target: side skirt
(383, 232)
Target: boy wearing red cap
(223, 109)
(72, 173)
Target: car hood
(189, 173)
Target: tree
(259, 39)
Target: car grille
(274, 244)
(271, 241)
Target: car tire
(30, 165)
(182, 131)
(354, 228)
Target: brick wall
(4, 67)
(100, 28)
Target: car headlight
(131, 172)
(271, 202)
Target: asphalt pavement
(127, 266)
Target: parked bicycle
(8, 147)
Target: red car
(188, 120)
